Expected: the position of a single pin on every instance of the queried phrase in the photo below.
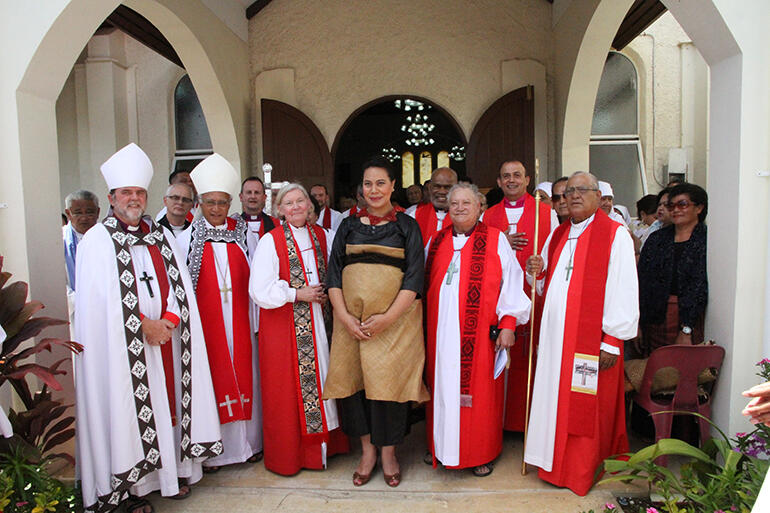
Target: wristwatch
(686, 330)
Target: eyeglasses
(215, 203)
(180, 198)
(569, 191)
(681, 205)
(556, 197)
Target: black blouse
(666, 267)
(404, 233)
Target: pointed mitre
(216, 174)
(606, 189)
(129, 167)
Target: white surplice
(269, 291)
(241, 438)
(108, 438)
(446, 385)
(620, 318)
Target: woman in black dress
(376, 274)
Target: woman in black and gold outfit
(376, 273)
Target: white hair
(464, 186)
(83, 195)
(286, 189)
(594, 180)
(179, 184)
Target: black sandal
(256, 458)
(181, 496)
(479, 472)
(133, 503)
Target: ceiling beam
(255, 7)
(137, 26)
(640, 16)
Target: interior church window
(615, 150)
(442, 159)
(193, 143)
(426, 166)
(407, 169)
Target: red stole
(263, 217)
(232, 378)
(497, 217)
(327, 222)
(426, 217)
(166, 350)
(585, 305)
(288, 448)
(481, 415)
(353, 210)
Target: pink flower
(719, 511)
(22, 503)
(651, 510)
(609, 506)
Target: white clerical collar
(220, 227)
(582, 224)
(132, 228)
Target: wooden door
(505, 131)
(294, 146)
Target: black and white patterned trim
(303, 329)
(122, 241)
(202, 233)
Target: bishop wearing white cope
(144, 399)
(216, 254)
(473, 282)
(591, 306)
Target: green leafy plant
(25, 483)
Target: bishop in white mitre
(216, 251)
(144, 397)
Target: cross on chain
(225, 290)
(569, 268)
(146, 279)
(228, 404)
(584, 370)
(453, 269)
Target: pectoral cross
(453, 269)
(568, 269)
(585, 370)
(228, 404)
(225, 290)
(146, 279)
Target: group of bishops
(169, 387)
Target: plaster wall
(345, 54)
(673, 99)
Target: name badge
(585, 373)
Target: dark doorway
(416, 135)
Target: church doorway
(415, 134)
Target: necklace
(224, 289)
(570, 266)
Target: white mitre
(216, 174)
(606, 189)
(129, 167)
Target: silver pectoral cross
(225, 291)
(453, 269)
(568, 269)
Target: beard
(130, 215)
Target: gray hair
(83, 195)
(465, 186)
(179, 184)
(286, 189)
(441, 169)
(594, 180)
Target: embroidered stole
(306, 366)
(203, 233)
(122, 242)
(471, 307)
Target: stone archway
(30, 235)
(732, 320)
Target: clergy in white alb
(591, 306)
(217, 257)
(473, 293)
(328, 218)
(431, 216)
(144, 397)
(287, 282)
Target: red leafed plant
(41, 427)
